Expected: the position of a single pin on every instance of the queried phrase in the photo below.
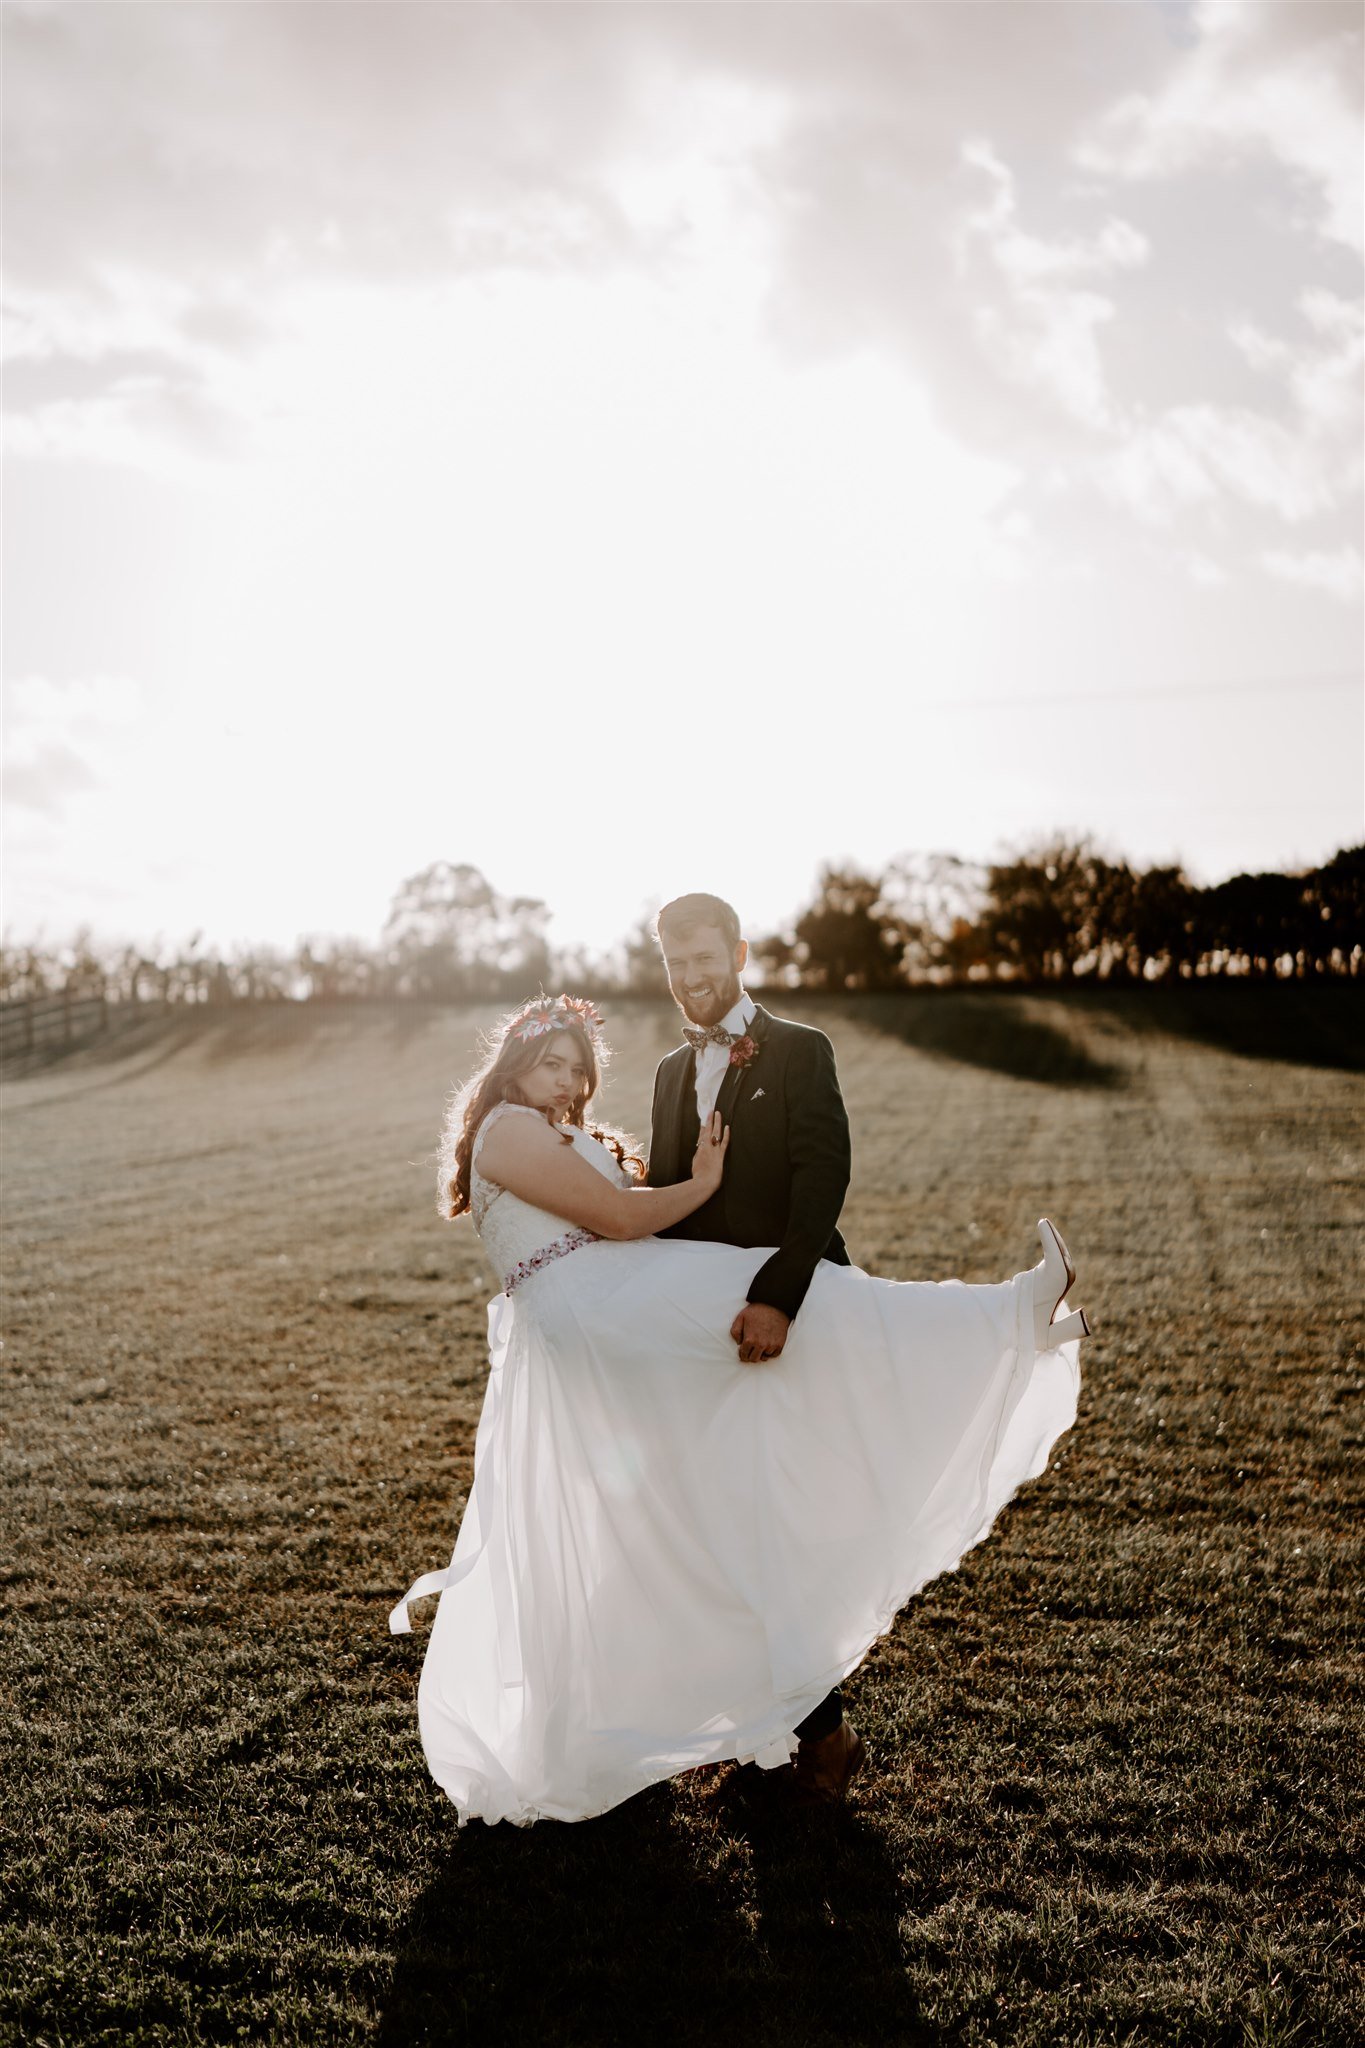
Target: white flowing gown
(669, 1558)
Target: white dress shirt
(712, 1060)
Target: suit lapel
(737, 1083)
(678, 1114)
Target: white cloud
(1043, 333)
(141, 372)
(1338, 572)
(720, 152)
(127, 311)
(1201, 569)
(1290, 468)
(1029, 259)
(1194, 454)
(140, 424)
(1327, 383)
(1250, 86)
(1322, 373)
(43, 775)
(1048, 342)
(598, 356)
(35, 700)
(1263, 351)
(55, 734)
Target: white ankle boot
(1050, 1283)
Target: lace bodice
(513, 1231)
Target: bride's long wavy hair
(507, 1056)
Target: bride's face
(703, 971)
(557, 1078)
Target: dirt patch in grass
(1114, 1757)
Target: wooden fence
(44, 1021)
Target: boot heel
(1077, 1324)
(1052, 1281)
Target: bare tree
(449, 934)
(939, 900)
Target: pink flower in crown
(553, 1013)
(743, 1051)
(588, 1014)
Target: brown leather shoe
(824, 1769)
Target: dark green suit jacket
(787, 1170)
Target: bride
(669, 1557)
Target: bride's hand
(708, 1161)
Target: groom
(785, 1179)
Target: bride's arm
(525, 1155)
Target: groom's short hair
(685, 913)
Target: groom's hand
(760, 1332)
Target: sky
(634, 448)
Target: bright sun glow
(725, 492)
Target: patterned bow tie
(698, 1035)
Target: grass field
(1115, 1780)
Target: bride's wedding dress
(668, 1558)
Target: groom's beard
(724, 996)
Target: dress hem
(815, 1689)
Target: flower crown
(556, 1013)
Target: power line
(1339, 681)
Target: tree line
(1063, 912)
(1057, 913)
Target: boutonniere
(743, 1052)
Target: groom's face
(703, 970)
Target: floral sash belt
(556, 1249)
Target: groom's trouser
(824, 1719)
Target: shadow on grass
(1299, 1023)
(777, 1931)
(105, 1062)
(244, 1030)
(994, 1029)
(224, 1032)
(247, 1029)
(135, 1042)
